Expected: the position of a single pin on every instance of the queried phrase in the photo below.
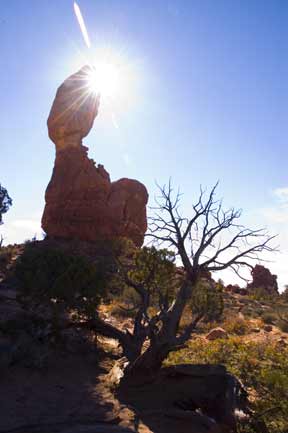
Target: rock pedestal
(81, 201)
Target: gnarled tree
(210, 240)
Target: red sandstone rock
(262, 278)
(81, 201)
(268, 328)
(73, 111)
(236, 289)
(216, 333)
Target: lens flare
(108, 74)
(104, 79)
(82, 25)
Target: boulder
(81, 201)
(216, 333)
(236, 289)
(268, 328)
(206, 397)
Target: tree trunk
(148, 364)
(131, 345)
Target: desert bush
(5, 258)
(269, 318)
(157, 266)
(261, 294)
(207, 300)
(154, 269)
(261, 367)
(52, 277)
(6, 254)
(147, 266)
(282, 325)
(236, 325)
(129, 301)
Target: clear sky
(208, 101)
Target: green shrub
(6, 254)
(155, 269)
(236, 325)
(207, 299)
(261, 294)
(283, 325)
(54, 277)
(151, 268)
(269, 318)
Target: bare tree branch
(202, 235)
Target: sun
(112, 77)
(103, 79)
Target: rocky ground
(67, 391)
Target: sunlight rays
(103, 79)
(111, 76)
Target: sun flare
(111, 76)
(103, 79)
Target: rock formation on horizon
(81, 201)
(263, 279)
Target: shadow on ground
(67, 393)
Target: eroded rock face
(81, 201)
(263, 279)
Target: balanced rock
(81, 201)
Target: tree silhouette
(210, 240)
(5, 202)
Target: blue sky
(210, 94)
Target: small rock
(216, 333)
(117, 372)
(256, 330)
(282, 342)
(268, 328)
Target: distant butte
(81, 201)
